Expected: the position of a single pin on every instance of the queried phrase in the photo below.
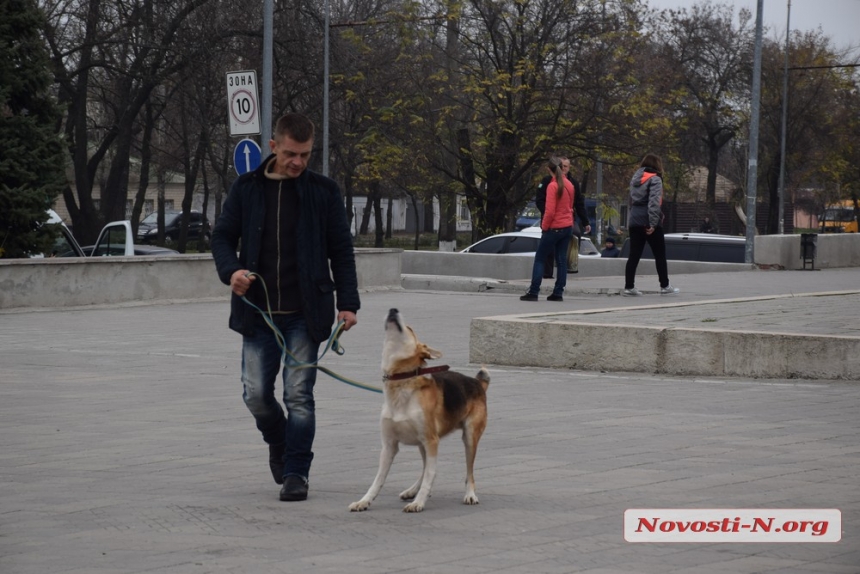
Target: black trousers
(657, 241)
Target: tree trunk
(417, 219)
(347, 191)
(114, 192)
(221, 168)
(377, 220)
(145, 162)
(467, 168)
(713, 161)
(388, 217)
(203, 240)
(192, 168)
(429, 215)
(365, 215)
(85, 218)
(160, 207)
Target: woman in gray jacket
(645, 224)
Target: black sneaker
(295, 488)
(555, 298)
(529, 297)
(276, 462)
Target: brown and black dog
(421, 406)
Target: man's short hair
(297, 126)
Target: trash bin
(808, 246)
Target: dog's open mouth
(393, 319)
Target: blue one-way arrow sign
(246, 156)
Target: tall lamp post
(268, 45)
(266, 97)
(325, 90)
(752, 163)
(781, 188)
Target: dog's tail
(484, 376)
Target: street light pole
(781, 188)
(752, 164)
(325, 90)
(266, 96)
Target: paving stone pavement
(125, 447)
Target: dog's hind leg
(471, 435)
(427, 477)
(386, 457)
(410, 492)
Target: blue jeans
(261, 363)
(554, 241)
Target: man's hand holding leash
(241, 281)
(349, 319)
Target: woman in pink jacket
(557, 227)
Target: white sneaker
(632, 292)
(669, 290)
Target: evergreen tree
(32, 155)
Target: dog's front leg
(389, 449)
(427, 478)
(410, 492)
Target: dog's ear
(429, 352)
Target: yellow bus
(839, 218)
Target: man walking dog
(290, 226)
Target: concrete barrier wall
(832, 250)
(68, 282)
(509, 267)
(523, 341)
(71, 282)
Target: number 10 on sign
(242, 103)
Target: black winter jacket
(579, 210)
(324, 242)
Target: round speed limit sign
(243, 107)
(242, 102)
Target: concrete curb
(591, 340)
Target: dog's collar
(415, 373)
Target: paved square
(125, 448)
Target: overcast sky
(839, 19)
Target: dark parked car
(698, 247)
(528, 217)
(147, 231)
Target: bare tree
(108, 57)
(523, 88)
(820, 108)
(710, 57)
